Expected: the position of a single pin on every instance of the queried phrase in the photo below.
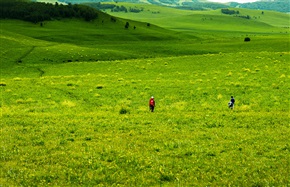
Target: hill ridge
(276, 5)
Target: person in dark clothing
(232, 102)
(151, 104)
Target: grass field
(74, 103)
(206, 20)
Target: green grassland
(157, 13)
(74, 101)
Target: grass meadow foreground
(88, 123)
(74, 100)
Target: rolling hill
(73, 39)
(156, 13)
(74, 99)
(106, 38)
(275, 5)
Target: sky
(238, 1)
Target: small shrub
(167, 177)
(211, 154)
(88, 138)
(100, 87)
(124, 111)
(39, 143)
(113, 19)
(247, 39)
(127, 25)
(71, 139)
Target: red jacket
(151, 102)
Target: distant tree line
(101, 6)
(114, 7)
(246, 17)
(277, 5)
(136, 10)
(228, 11)
(231, 12)
(119, 9)
(195, 5)
(37, 12)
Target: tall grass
(66, 127)
(74, 103)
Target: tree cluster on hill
(37, 12)
(114, 7)
(119, 9)
(202, 6)
(228, 11)
(246, 17)
(231, 12)
(136, 10)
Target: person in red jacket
(151, 104)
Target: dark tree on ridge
(37, 12)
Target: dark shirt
(233, 100)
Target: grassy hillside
(76, 40)
(158, 14)
(74, 101)
(184, 33)
(181, 33)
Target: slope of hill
(67, 40)
(106, 38)
(76, 40)
(74, 93)
(261, 21)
